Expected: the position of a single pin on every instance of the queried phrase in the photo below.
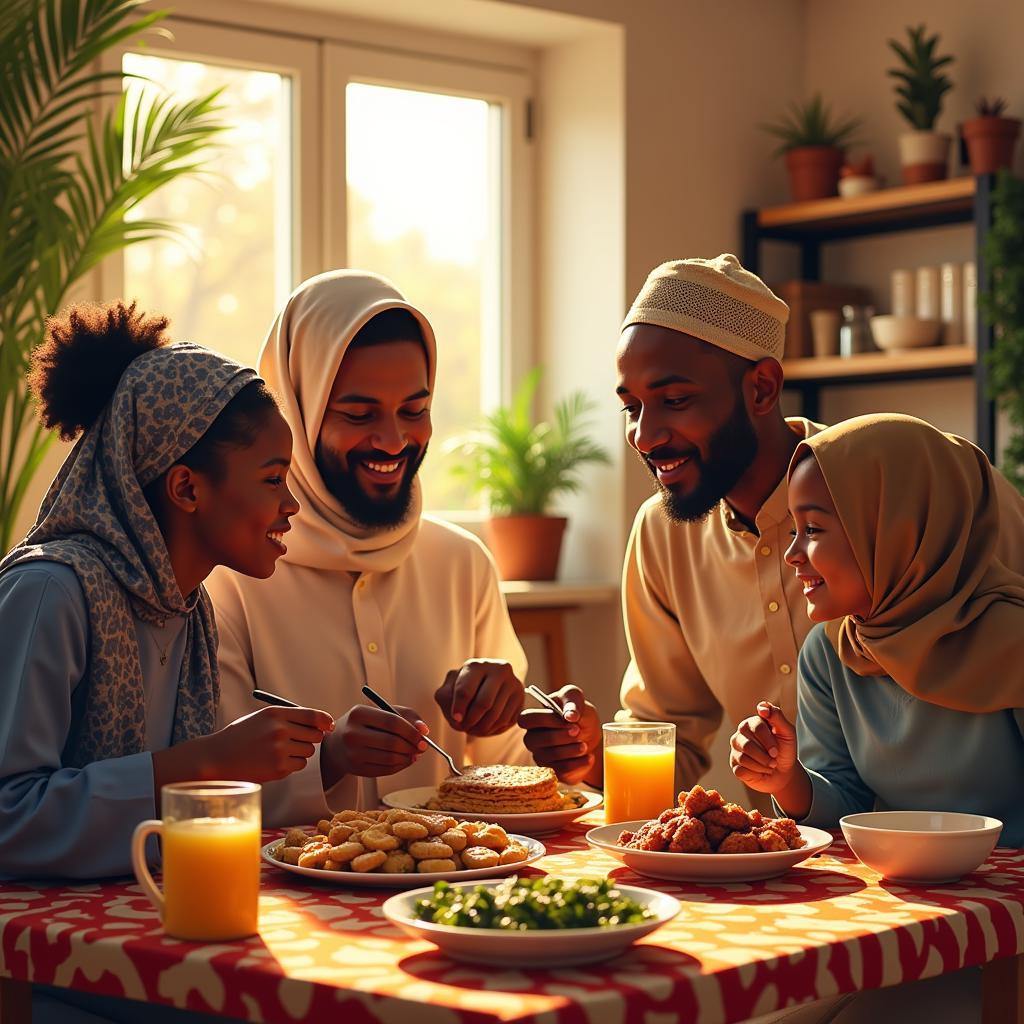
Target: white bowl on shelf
(857, 185)
(896, 333)
(921, 846)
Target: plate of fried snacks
(531, 922)
(704, 838)
(399, 848)
(525, 798)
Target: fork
(543, 698)
(385, 706)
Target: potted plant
(813, 144)
(924, 152)
(990, 137)
(521, 465)
(68, 180)
(1000, 301)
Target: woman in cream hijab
(908, 545)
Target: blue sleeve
(56, 821)
(821, 743)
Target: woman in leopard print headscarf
(110, 685)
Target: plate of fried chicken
(705, 838)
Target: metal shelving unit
(810, 225)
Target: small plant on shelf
(921, 86)
(813, 142)
(990, 137)
(1001, 303)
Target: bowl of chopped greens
(531, 922)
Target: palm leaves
(812, 124)
(922, 85)
(521, 465)
(69, 179)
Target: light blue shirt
(869, 745)
(57, 821)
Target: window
(223, 282)
(414, 167)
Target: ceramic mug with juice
(639, 769)
(210, 837)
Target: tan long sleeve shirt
(316, 636)
(714, 620)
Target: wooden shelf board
(902, 203)
(943, 360)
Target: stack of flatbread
(501, 789)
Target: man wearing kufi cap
(714, 617)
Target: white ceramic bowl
(556, 948)
(921, 846)
(895, 333)
(857, 185)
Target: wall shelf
(876, 367)
(910, 207)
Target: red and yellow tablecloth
(735, 951)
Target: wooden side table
(540, 606)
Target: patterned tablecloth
(736, 950)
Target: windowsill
(557, 593)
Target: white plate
(376, 879)
(551, 949)
(534, 823)
(703, 867)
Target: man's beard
(366, 510)
(731, 450)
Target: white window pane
(223, 286)
(423, 188)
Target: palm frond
(71, 183)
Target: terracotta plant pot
(526, 547)
(923, 156)
(990, 142)
(813, 171)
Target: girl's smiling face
(243, 514)
(820, 552)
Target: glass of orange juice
(210, 835)
(639, 769)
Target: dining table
(325, 951)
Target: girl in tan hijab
(910, 549)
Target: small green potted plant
(813, 143)
(990, 137)
(924, 152)
(521, 465)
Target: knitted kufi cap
(717, 301)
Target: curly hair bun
(75, 370)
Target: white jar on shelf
(902, 300)
(970, 276)
(951, 306)
(928, 293)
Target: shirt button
(773, 606)
(372, 648)
(766, 550)
(785, 669)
